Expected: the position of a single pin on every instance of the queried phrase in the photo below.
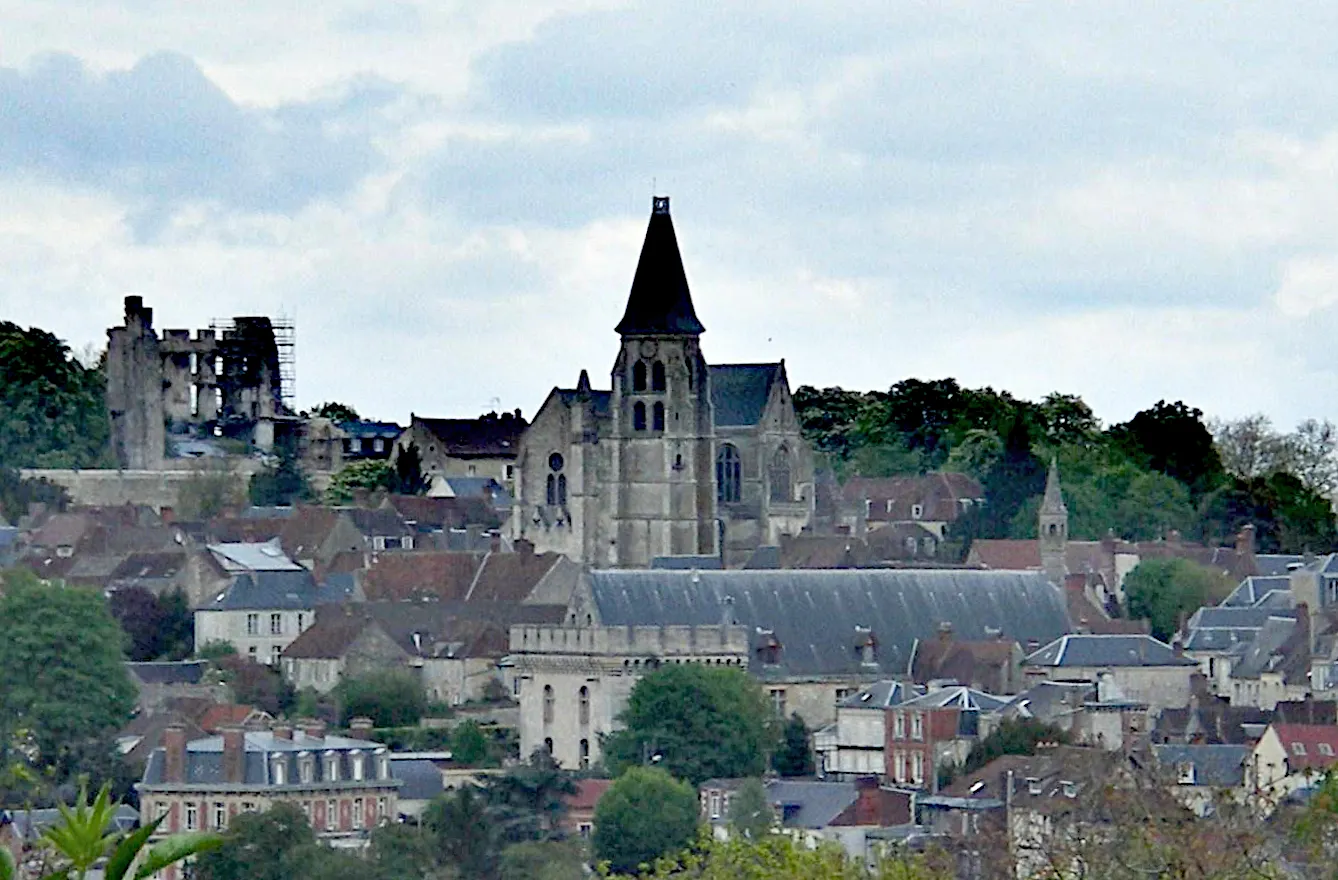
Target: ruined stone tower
(1053, 528)
(662, 432)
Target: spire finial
(659, 204)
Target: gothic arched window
(639, 376)
(657, 382)
(585, 754)
(781, 488)
(562, 490)
(658, 422)
(585, 705)
(728, 474)
(552, 496)
(548, 704)
(639, 417)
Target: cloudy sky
(1128, 201)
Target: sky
(1130, 202)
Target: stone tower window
(639, 376)
(585, 754)
(584, 697)
(657, 382)
(639, 415)
(658, 412)
(548, 704)
(728, 473)
(781, 488)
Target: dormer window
(1326, 750)
(865, 645)
(306, 768)
(278, 771)
(1298, 749)
(917, 511)
(331, 767)
(1033, 785)
(1070, 788)
(358, 767)
(768, 647)
(1185, 773)
(382, 764)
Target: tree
(750, 813)
(542, 860)
(408, 477)
(1287, 516)
(1066, 418)
(368, 475)
(780, 857)
(52, 407)
(155, 627)
(644, 815)
(81, 840)
(259, 846)
(1312, 455)
(795, 755)
(1013, 736)
(281, 482)
(1248, 447)
(64, 687)
(211, 489)
(391, 698)
(1173, 439)
(1163, 591)
(469, 744)
(336, 412)
(18, 493)
(463, 833)
(700, 721)
(256, 684)
(976, 455)
(528, 802)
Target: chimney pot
(283, 731)
(360, 728)
(313, 728)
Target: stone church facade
(680, 458)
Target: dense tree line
(52, 407)
(1164, 469)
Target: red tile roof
(406, 575)
(588, 793)
(1310, 738)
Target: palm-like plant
(81, 839)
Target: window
(639, 376)
(899, 726)
(548, 704)
(728, 474)
(358, 767)
(917, 726)
(378, 542)
(382, 765)
(220, 816)
(358, 820)
(407, 542)
(253, 624)
(917, 511)
(889, 505)
(331, 811)
(1185, 772)
(781, 489)
(658, 412)
(251, 652)
(1033, 785)
(778, 701)
(275, 654)
(562, 490)
(917, 767)
(248, 806)
(548, 745)
(471, 471)
(160, 809)
(1070, 788)
(192, 817)
(301, 621)
(715, 805)
(380, 809)
(585, 754)
(509, 472)
(331, 768)
(551, 497)
(585, 828)
(1326, 750)
(900, 766)
(639, 417)
(306, 768)
(657, 382)
(584, 698)
(379, 445)
(1298, 749)
(278, 772)
(306, 811)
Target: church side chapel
(681, 458)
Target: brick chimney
(523, 547)
(282, 730)
(945, 631)
(234, 753)
(174, 749)
(360, 728)
(313, 728)
(1245, 541)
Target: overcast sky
(1129, 201)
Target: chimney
(234, 753)
(360, 728)
(283, 731)
(495, 544)
(524, 547)
(313, 728)
(174, 749)
(1245, 540)
(945, 631)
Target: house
(160, 681)
(344, 785)
(993, 665)
(1289, 757)
(436, 516)
(261, 612)
(1216, 637)
(453, 648)
(936, 729)
(313, 536)
(854, 744)
(363, 440)
(520, 576)
(483, 447)
(1081, 710)
(421, 780)
(579, 820)
(1139, 667)
(930, 501)
(1201, 775)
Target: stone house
(935, 729)
(1203, 775)
(679, 458)
(931, 501)
(314, 536)
(1289, 757)
(855, 743)
(453, 648)
(1081, 710)
(343, 785)
(993, 665)
(260, 613)
(1138, 667)
(483, 447)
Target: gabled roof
(1257, 590)
(437, 514)
(227, 714)
(1052, 778)
(181, 672)
(939, 496)
(419, 574)
(739, 392)
(1049, 701)
(150, 566)
(881, 695)
(1107, 650)
(1219, 766)
(957, 697)
(269, 591)
(268, 556)
(376, 522)
(660, 302)
(804, 803)
(1307, 744)
(489, 436)
(817, 615)
(510, 577)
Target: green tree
(750, 812)
(408, 478)
(1163, 591)
(156, 627)
(528, 802)
(978, 452)
(1288, 517)
(644, 815)
(256, 684)
(1172, 439)
(65, 687)
(391, 698)
(400, 852)
(542, 860)
(281, 482)
(211, 489)
(463, 834)
(17, 493)
(52, 408)
(699, 721)
(260, 846)
(336, 412)
(1013, 736)
(795, 755)
(470, 746)
(371, 475)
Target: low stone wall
(156, 489)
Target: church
(681, 463)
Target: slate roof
(380, 521)
(269, 590)
(881, 695)
(739, 392)
(938, 494)
(1224, 628)
(1257, 590)
(601, 402)
(659, 302)
(957, 697)
(1269, 650)
(1038, 780)
(1211, 722)
(489, 436)
(268, 556)
(984, 663)
(1218, 766)
(32, 824)
(687, 563)
(815, 614)
(182, 672)
(204, 759)
(1050, 700)
(359, 429)
(1274, 564)
(149, 566)
(1106, 650)
(420, 778)
(804, 803)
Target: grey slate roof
(808, 803)
(1275, 563)
(204, 758)
(1219, 766)
(882, 694)
(659, 302)
(1049, 701)
(420, 778)
(601, 401)
(1222, 628)
(687, 563)
(183, 672)
(271, 590)
(957, 697)
(1256, 590)
(1103, 650)
(739, 392)
(814, 614)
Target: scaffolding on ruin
(285, 340)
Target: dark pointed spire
(583, 383)
(1053, 502)
(660, 303)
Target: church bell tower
(1053, 529)
(662, 467)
